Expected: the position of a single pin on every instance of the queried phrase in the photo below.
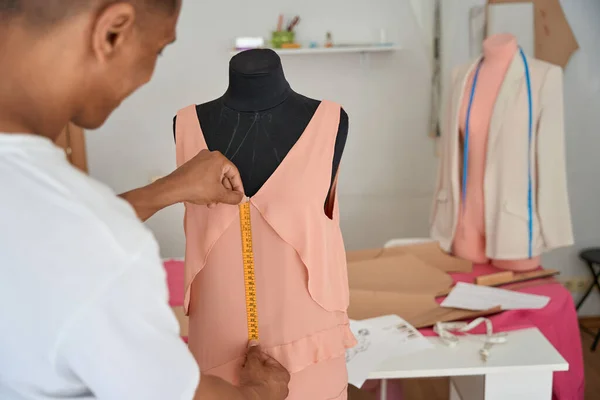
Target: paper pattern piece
(517, 19)
(406, 339)
(432, 254)
(475, 297)
(367, 355)
(555, 41)
(403, 273)
(404, 281)
(380, 339)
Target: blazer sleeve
(442, 141)
(552, 190)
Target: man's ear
(113, 26)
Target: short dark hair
(51, 11)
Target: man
(82, 289)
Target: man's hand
(207, 179)
(263, 378)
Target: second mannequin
(502, 190)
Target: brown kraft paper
(403, 273)
(419, 310)
(430, 253)
(555, 41)
(398, 281)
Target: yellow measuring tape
(249, 279)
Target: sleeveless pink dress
(300, 268)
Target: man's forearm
(150, 199)
(213, 388)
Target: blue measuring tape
(530, 138)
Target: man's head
(78, 59)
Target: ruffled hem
(300, 354)
(319, 347)
(343, 394)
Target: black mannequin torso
(260, 118)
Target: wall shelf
(335, 50)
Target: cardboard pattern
(405, 281)
(430, 253)
(555, 41)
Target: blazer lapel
(458, 93)
(506, 100)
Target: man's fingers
(227, 183)
(231, 197)
(253, 358)
(256, 356)
(231, 173)
(269, 361)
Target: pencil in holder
(279, 38)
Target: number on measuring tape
(249, 279)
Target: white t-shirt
(84, 308)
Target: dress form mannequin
(470, 242)
(260, 118)
(287, 148)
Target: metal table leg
(595, 284)
(383, 389)
(596, 341)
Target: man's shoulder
(71, 211)
(110, 213)
(66, 238)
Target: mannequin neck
(256, 82)
(500, 49)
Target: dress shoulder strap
(188, 135)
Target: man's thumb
(231, 197)
(254, 356)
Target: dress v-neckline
(290, 153)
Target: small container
(329, 40)
(382, 36)
(278, 38)
(247, 43)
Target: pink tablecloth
(557, 321)
(176, 281)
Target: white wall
(425, 15)
(582, 103)
(582, 120)
(389, 164)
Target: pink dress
(300, 268)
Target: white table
(521, 369)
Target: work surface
(437, 388)
(526, 351)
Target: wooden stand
(507, 278)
